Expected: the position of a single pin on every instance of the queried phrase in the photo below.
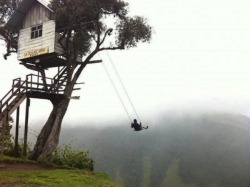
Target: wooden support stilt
(44, 79)
(26, 128)
(5, 121)
(17, 132)
(2, 138)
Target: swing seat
(132, 125)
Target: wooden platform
(44, 95)
(44, 61)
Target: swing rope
(121, 82)
(117, 93)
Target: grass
(13, 160)
(56, 178)
(52, 178)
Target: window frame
(36, 31)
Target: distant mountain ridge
(206, 150)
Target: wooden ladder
(59, 81)
(22, 89)
(8, 104)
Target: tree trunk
(48, 138)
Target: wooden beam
(74, 97)
(90, 62)
(44, 95)
(20, 100)
(77, 89)
(25, 143)
(80, 83)
(94, 61)
(17, 132)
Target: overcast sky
(198, 60)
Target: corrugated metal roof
(18, 16)
(44, 3)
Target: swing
(134, 124)
(137, 126)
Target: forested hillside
(209, 150)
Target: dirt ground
(6, 184)
(8, 167)
(23, 167)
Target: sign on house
(36, 52)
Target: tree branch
(5, 56)
(60, 40)
(79, 71)
(107, 33)
(11, 41)
(121, 16)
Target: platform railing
(59, 81)
(37, 83)
(16, 89)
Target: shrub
(8, 139)
(68, 157)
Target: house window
(36, 31)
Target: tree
(7, 8)
(84, 30)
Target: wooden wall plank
(25, 43)
(38, 14)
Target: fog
(179, 150)
(198, 60)
(190, 85)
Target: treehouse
(39, 48)
(38, 43)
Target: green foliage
(8, 139)
(14, 160)
(132, 31)
(53, 178)
(6, 9)
(83, 23)
(76, 159)
(65, 156)
(9, 147)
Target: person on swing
(137, 126)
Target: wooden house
(38, 44)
